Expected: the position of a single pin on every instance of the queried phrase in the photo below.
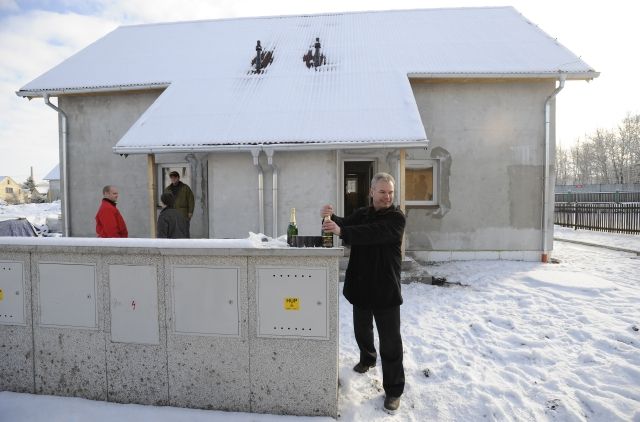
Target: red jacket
(109, 221)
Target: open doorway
(163, 176)
(357, 177)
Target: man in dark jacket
(171, 224)
(109, 221)
(184, 201)
(372, 282)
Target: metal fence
(599, 216)
(598, 197)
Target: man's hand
(326, 210)
(331, 226)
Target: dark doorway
(357, 177)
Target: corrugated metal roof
(360, 96)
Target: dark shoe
(438, 281)
(361, 368)
(391, 404)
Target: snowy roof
(54, 174)
(361, 95)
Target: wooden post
(151, 192)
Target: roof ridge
(301, 15)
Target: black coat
(172, 224)
(372, 280)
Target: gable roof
(54, 173)
(360, 97)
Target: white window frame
(424, 164)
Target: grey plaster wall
(306, 181)
(493, 135)
(96, 124)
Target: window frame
(425, 164)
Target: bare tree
(600, 142)
(563, 167)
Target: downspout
(63, 164)
(274, 191)
(545, 182)
(256, 162)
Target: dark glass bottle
(292, 230)
(327, 236)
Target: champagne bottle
(327, 236)
(292, 230)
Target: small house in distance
(265, 114)
(53, 177)
(11, 191)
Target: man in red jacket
(109, 221)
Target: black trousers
(388, 325)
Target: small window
(8, 190)
(421, 179)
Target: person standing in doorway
(184, 201)
(372, 282)
(171, 224)
(109, 221)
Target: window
(8, 190)
(421, 179)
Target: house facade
(53, 179)
(457, 104)
(11, 192)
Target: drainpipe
(545, 182)
(63, 164)
(274, 191)
(256, 162)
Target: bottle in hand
(327, 236)
(292, 230)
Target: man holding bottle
(372, 281)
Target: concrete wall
(109, 324)
(489, 135)
(96, 124)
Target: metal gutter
(255, 153)
(274, 191)
(317, 146)
(36, 93)
(484, 75)
(545, 181)
(63, 163)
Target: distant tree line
(604, 157)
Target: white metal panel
(134, 304)
(11, 293)
(205, 300)
(67, 295)
(292, 302)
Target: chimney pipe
(316, 56)
(258, 56)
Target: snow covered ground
(514, 341)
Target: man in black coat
(171, 223)
(372, 281)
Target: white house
(53, 177)
(265, 114)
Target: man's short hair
(174, 174)
(106, 189)
(382, 176)
(167, 199)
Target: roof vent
(261, 60)
(315, 59)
